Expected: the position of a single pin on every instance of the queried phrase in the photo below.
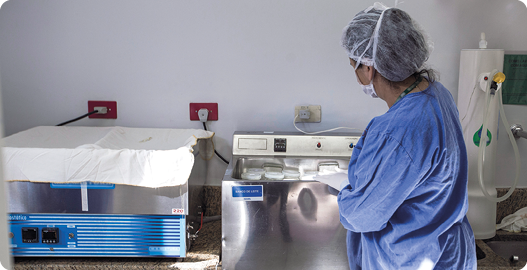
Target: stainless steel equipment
(122, 221)
(284, 224)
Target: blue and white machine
(97, 235)
(95, 218)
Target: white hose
(483, 142)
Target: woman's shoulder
(418, 112)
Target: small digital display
(280, 145)
(29, 235)
(50, 235)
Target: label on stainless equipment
(178, 211)
(247, 193)
(89, 185)
(255, 144)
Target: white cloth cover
(336, 179)
(516, 222)
(145, 157)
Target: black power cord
(217, 154)
(78, 118)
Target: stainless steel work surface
(242, 164)
(284, 224)
(296, 226)
(28, 197)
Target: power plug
(101, 110)
(203, 115)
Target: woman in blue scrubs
(406, 200)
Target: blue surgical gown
(406, 202)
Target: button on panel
(320, 146)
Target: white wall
(257, 59)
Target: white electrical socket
(304, 114)
(101, 110)
(312, 112)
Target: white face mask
(367, 89)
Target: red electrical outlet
(111, 107)
(212, 107)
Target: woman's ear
(370, 71)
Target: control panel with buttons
(294, 144)
(38, 235)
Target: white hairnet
(387, 39)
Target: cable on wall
(78, 118)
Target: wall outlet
(111, 109)
(314, 114)
(195, 107)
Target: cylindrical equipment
(475, 65)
